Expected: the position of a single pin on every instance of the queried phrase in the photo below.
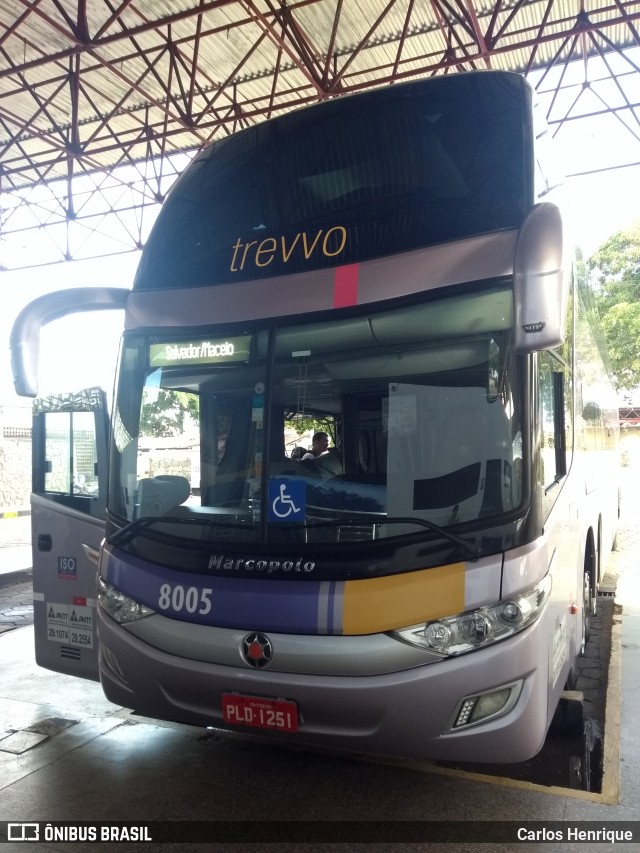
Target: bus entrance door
(67, 525)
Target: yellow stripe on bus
(397, 601)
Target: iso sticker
(67, 568)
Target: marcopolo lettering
(329, 243)
(225, 563)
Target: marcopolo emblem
(257, 650)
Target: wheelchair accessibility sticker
(287, 500)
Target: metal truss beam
(102, 102)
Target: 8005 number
(179, 598)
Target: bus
(391, 268)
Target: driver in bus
(319, 445)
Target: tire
(572, 677)
(588, 609)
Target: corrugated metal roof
(182, 71)
(85, 94)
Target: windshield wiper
(141, 527)
(472, 550)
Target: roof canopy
(98, 98)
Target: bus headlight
(119, 606)
(475, 629)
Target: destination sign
(222, 351)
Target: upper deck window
(348, 180)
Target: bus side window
(553, 431)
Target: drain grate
(22, 740)
(19, 742)
(50, 726)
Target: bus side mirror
(541, 274)
(25, 334)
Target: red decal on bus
(345, 286)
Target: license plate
(274, 714)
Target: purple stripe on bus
(263, 604)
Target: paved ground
(16, 605)
(15, 541)
(16, 601)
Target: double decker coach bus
(394, 267)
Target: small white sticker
(71, 624)
(57, 622)
(81, 626)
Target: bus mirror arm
(541, 275)
(25, 334)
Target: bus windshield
(419, 403)
(350, 179)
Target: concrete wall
(15, 467)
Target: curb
(19, 576)
(15, 513)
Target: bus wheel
(588, 609)
(591, 563)
(572, 677)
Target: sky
(77, 351)
(604, 204)
(80, 351)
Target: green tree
(615, 281)
(165, 415)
